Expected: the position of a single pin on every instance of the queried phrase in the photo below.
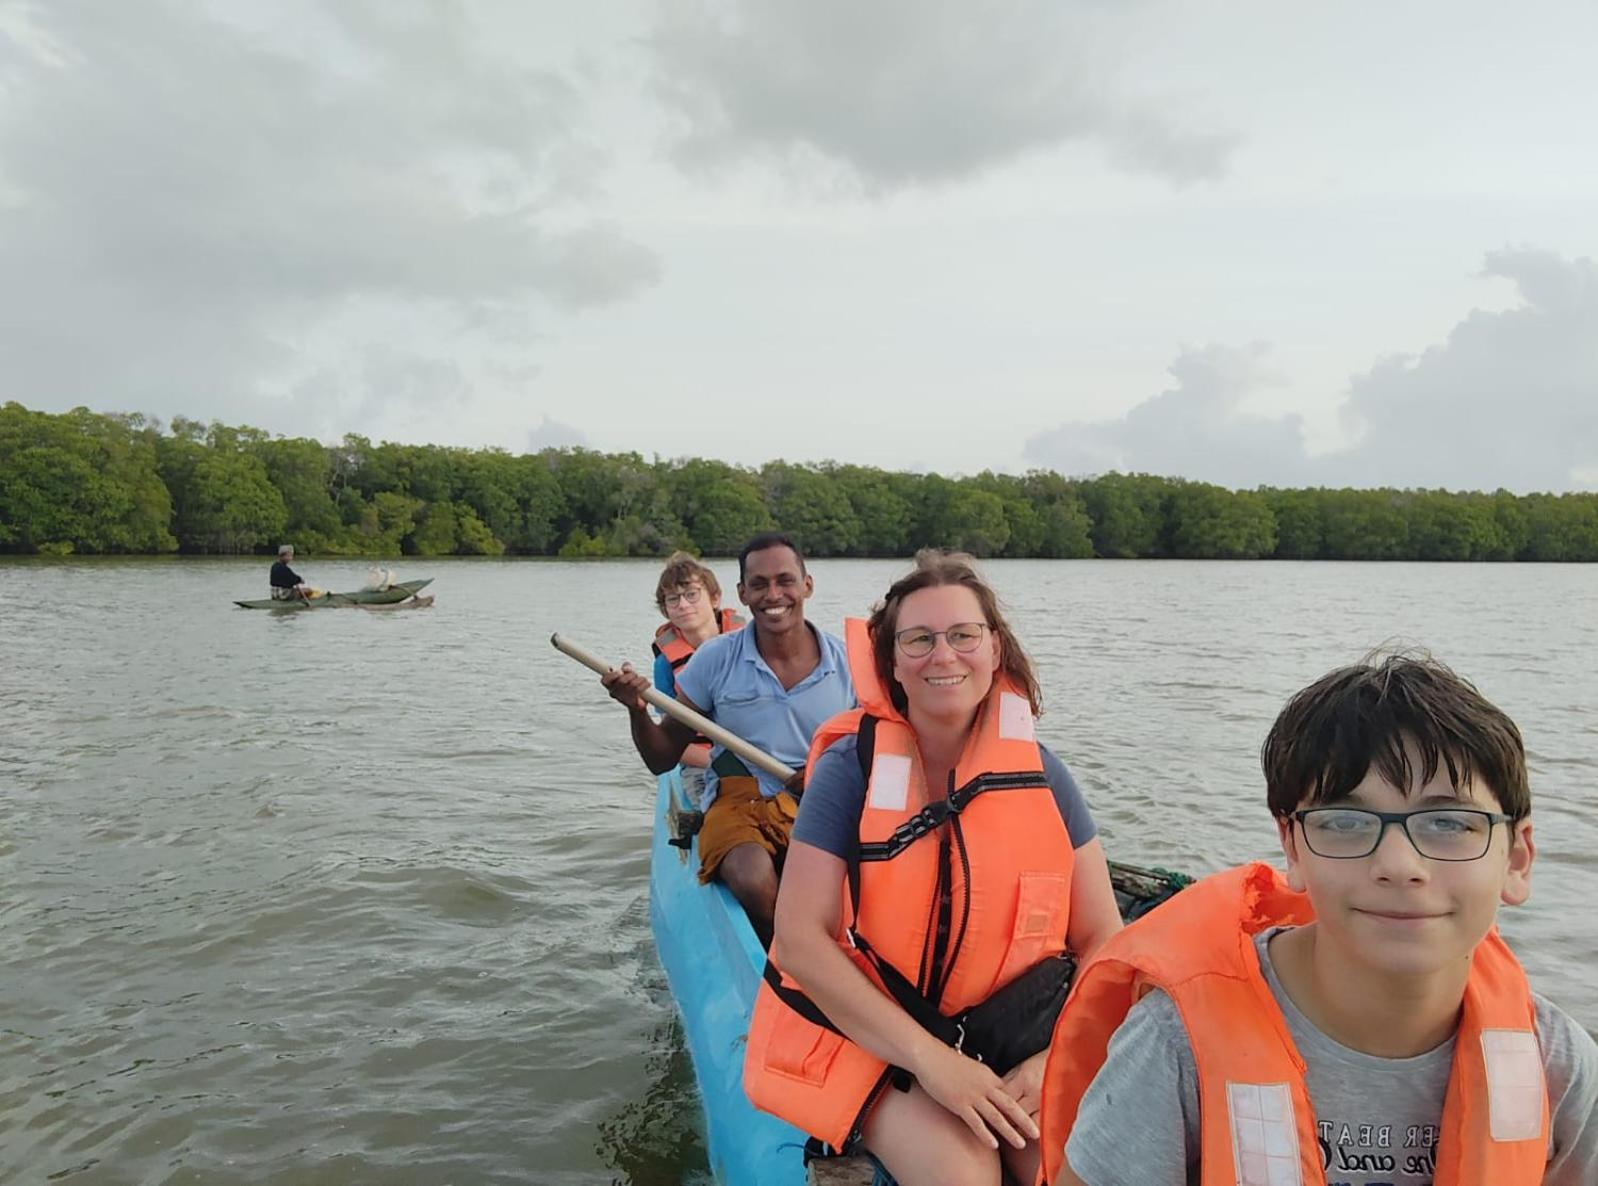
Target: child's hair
(683, 569)
(1328, 736)
(935, 567)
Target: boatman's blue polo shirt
(733, 686)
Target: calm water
(343, 897)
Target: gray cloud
(552, 434)
(1509, 399)
(910, 91)
(1194, 429)
(194, 201)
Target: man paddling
(772, 684)
(287, 585)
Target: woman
(940, 855)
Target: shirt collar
(751, 650)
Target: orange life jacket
(1257, 1123)
(958, 891)
(678, 650)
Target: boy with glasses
(1358, 1021)
(689, 598)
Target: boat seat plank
(841, 1171)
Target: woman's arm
(1094, 914)
(809, 909)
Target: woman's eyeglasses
(918, 641)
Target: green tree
(1446, 526)
(386, 522)
(230, 505)
(1209, 523)
(1127, 514)
(1513, 530)
(1363, 525)
(729, 513)
(813, 508)
(81, 482)
(975, 522)
(302, 471)
(881, 505)
(1561, 527)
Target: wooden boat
(713, 963)
(394, 595)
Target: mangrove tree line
(88, 482)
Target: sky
(1245, 243)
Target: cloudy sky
(1251, 242)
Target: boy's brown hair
(684, 569)
(1328, 736)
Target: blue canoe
(713, 962)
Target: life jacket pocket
(802, 1051)
(1043, 902)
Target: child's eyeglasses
(1439, 834)
(689, 596)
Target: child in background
(689, 598)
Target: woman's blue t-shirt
(835, 795)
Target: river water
(349, 897)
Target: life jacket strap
(934, 815)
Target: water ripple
(354, 898)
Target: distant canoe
(392, 596)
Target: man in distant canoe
(287, 585)
(772, 683)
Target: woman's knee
(923, 1144)
(970, 1166)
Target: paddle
(681, 712)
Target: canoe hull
(713, 962)
(368, 597)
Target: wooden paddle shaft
(681, 712)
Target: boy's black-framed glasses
(687, 595)
(918, 641)
(1438, 833)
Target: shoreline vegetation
(88, 483)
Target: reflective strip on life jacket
(677, 650)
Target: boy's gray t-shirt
(1377, 1117)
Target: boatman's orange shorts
(740, 814)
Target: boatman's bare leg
(749, 873)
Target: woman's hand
(976, 1095)
(1025, 1083)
